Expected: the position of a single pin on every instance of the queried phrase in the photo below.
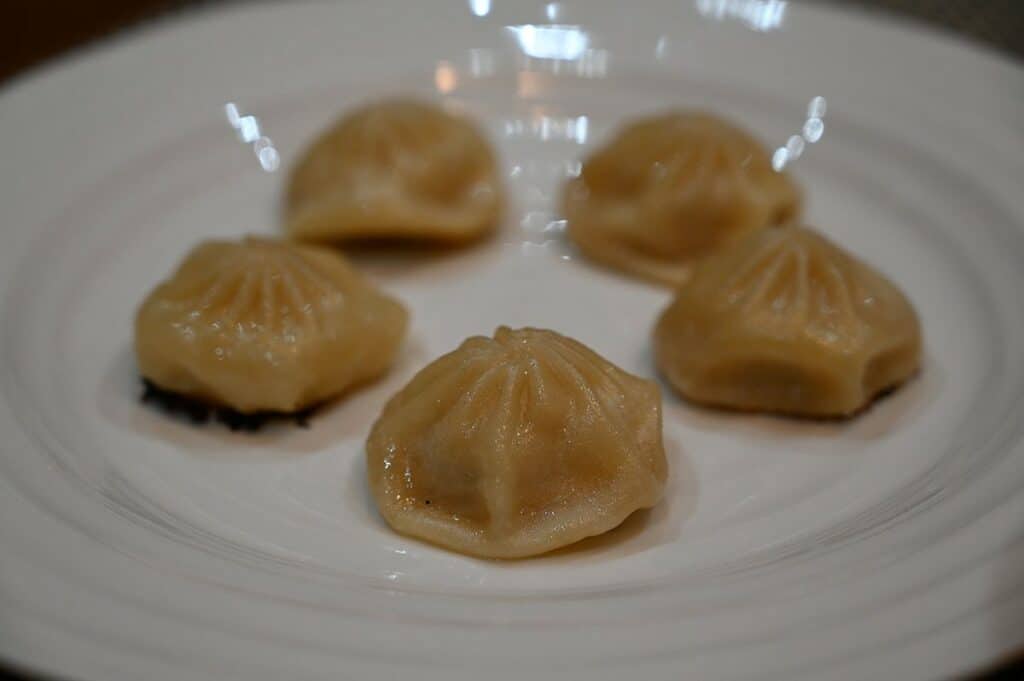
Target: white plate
(135, 546)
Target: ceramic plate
(138, 546)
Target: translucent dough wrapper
(262, 325)
(787, 322)
(670, 189)
(516, 445)
(396, 169)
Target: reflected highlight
(811, 132)
(759, 15)
(480, 8)
(445, 77)
(247, 128)
(547, 128)
(550, 41)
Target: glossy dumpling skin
(398, 168)
(516, 445)
(263, 325)
(786, 321)
(672, 188)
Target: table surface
(45, 30)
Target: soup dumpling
(786, 321)
(516, 445)
(671, 188)
(398, 168)
(262, 325)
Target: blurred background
(37, 31)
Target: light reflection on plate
(759, 15)
(247, 127)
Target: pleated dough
(263, 325)
(515, 445)
(672, 188)
(398, 168)
(788, 322)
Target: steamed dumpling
(671, 188)
(786, 321)
(396, 169)
(262, 325)
(516, 445)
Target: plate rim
(125, 41)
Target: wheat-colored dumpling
(396, 169)
(263, 325)
(516, 445)
(672, 188)
(787, 322)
